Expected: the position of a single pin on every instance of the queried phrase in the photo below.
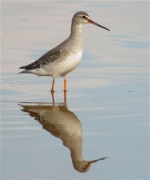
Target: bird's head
(84, 18)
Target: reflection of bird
(66, 56)
(64, 124)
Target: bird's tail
(24, 71)
(23, 67)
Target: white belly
(63, 67)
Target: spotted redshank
(65, 57)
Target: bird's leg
(52, 89)
(65, 96)
(65, 85)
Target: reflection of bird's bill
(92, 22)
(93, 161)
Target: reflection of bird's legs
(52, 93)
(52, 89)
(65, 96)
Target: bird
(62, 123)
(65, 57)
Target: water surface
(107, 108)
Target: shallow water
(107, 108)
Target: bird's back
(56, 62)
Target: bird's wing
(47, 58)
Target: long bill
(92, 22)
(93, 161)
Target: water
(107, 109)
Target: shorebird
(65, 57)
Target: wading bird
(65, 57)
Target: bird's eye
(83, 16)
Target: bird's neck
(76, 156)
(76, 32)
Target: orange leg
(52, 89)
(65, 85)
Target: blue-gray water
(108, 92)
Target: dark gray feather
(47, 58)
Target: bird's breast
(75, 58)
(67, 62)
(70, 62)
